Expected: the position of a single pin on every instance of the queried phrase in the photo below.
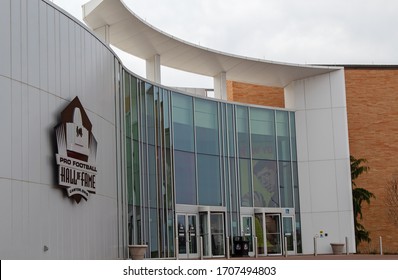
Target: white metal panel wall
(46, 60)
(323, 159)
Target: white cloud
(308, 31)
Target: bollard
(176, 249)
(347, 251)
(285, 245)
(201, 247)
(315, 246)
(227, 247)
(381, 245)
(255, 247)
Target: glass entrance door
(270, 233)
(260, 233)
(187, 236)
(217, 234)
(273, 234)
(290, 233)
(212, 231)
(247, 230)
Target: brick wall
(253, 94)
(372, 108)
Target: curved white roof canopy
(133, 35)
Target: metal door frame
(188, 254)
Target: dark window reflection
(209, 180)
(185, 177)
(183, 122)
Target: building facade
(172, 170)
(213, 168)
(370, 94)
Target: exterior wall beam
(103, 33)
(220, 86)
(153, 72)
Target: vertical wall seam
(335, 158)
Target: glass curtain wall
(284, 157)
(208, 152)
(244, 159)
(149, 171)
(184, 157)
(231, 194)
(189, 150)
(265, 178)
(292, 128)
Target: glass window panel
(182, 235)
(243, 132)
(245, 182)
(234, 191)
(129, 170)
(169, 181)
(170, 230)
(127, 109)
(234, 224)
(285, 179)
(166, 110)
(134, 107)
(204, 232)
(298, 234)
(282, 121)
(206, 122)
(296, 188)
(154, 233)
(193, 242)
(217, 234)
(263, 120)
(265, 183)
(272, 225)
(297, 208)
(293, 135)
(282, 128)
(152, 176)
(150, 113)
(260, 231)
(262, 125)
(166, 118)
(231, 130)
(185, 177)
(136, 168)
(226, 186)
(143, 112)
(127, 104)
(158, 117)
(288, 232)
(137, 237)
(183, 122)
(131, 224)
(209, 180)
(223, 129)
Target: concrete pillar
(220, 86)
(153, 69)
(103, 33)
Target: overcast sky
(295, 31)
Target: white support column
(323, 159)
(153, 69)
(220, 86)
(103, 33)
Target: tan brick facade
(372, 108)
(253, 94)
